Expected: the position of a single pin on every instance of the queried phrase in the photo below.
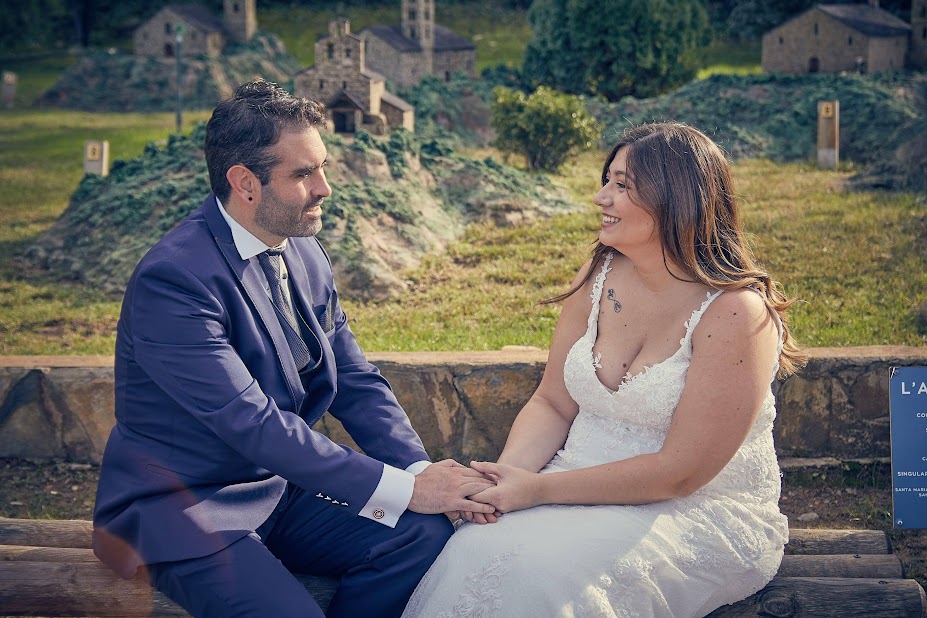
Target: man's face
(291, 203)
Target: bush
(546, 127)
(640, 47)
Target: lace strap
(593, 322)
(693, 320)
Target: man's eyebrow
(308, 169)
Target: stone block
(493, 397)
(27, 430)
(870, 394)
(802, 425)
(82, 402)
(428, 396)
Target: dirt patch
(844, 496)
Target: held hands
(444, 487)
(514, 489)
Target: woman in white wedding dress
(640, 479)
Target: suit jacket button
(379, 514)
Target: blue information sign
(908, 393)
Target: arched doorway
(814, 65)
(344, 121)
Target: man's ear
(245, 185)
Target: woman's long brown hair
(683, 180)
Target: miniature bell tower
(240, 19)
(917, 52)
(418, 24)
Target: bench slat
(46, 532)
(91, 589)
(88, 589)
(826, 542)
(878, 566)
(76, 533)
(858, 565)
(813, 597)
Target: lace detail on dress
(480, 597)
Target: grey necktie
(270, 263)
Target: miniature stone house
(203, 32)
(831, 38)
(355, 96)
(417, 47)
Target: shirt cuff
(391, 497)
(418, 467)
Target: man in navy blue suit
(230, 346)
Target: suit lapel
(253, 281)
(301, 285)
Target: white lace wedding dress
(681, 557)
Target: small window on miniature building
(344, 84)
(167, 28)
(426, 14)
(347, 52)
(781, 40)
(411, 14)
(235, 8)
(330, 51)
(321, 84)
(924, 33)
(849, 40)
(924, 11)
(412, 33)
(815, 29)
(447, 76)
(168, 50)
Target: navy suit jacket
(212, 418)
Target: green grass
(855, 259)
(730, 59)
(41, 162)
(35, 74)
(500, 34)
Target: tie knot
(275, 251)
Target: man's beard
(282, 219)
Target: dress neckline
(592, 331)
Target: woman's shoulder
(739, 313)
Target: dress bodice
(634, 419)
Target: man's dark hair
(244, 127)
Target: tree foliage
(546, 127)
(635, 47)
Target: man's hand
(444, 486)
(515, 489)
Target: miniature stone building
(417, 47)
(203, 32)
(831, 38)
(355, 96)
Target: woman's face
(625, 225)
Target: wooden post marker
(828, 134)
(8, 94)
(96, 158)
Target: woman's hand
(515, 489)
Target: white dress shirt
(394, 491)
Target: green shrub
(546, 127)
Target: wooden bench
(48, 569)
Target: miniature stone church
(203, 32)
(417, 47)
(355, 96)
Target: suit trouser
(379, 566)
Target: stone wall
(462, 403)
